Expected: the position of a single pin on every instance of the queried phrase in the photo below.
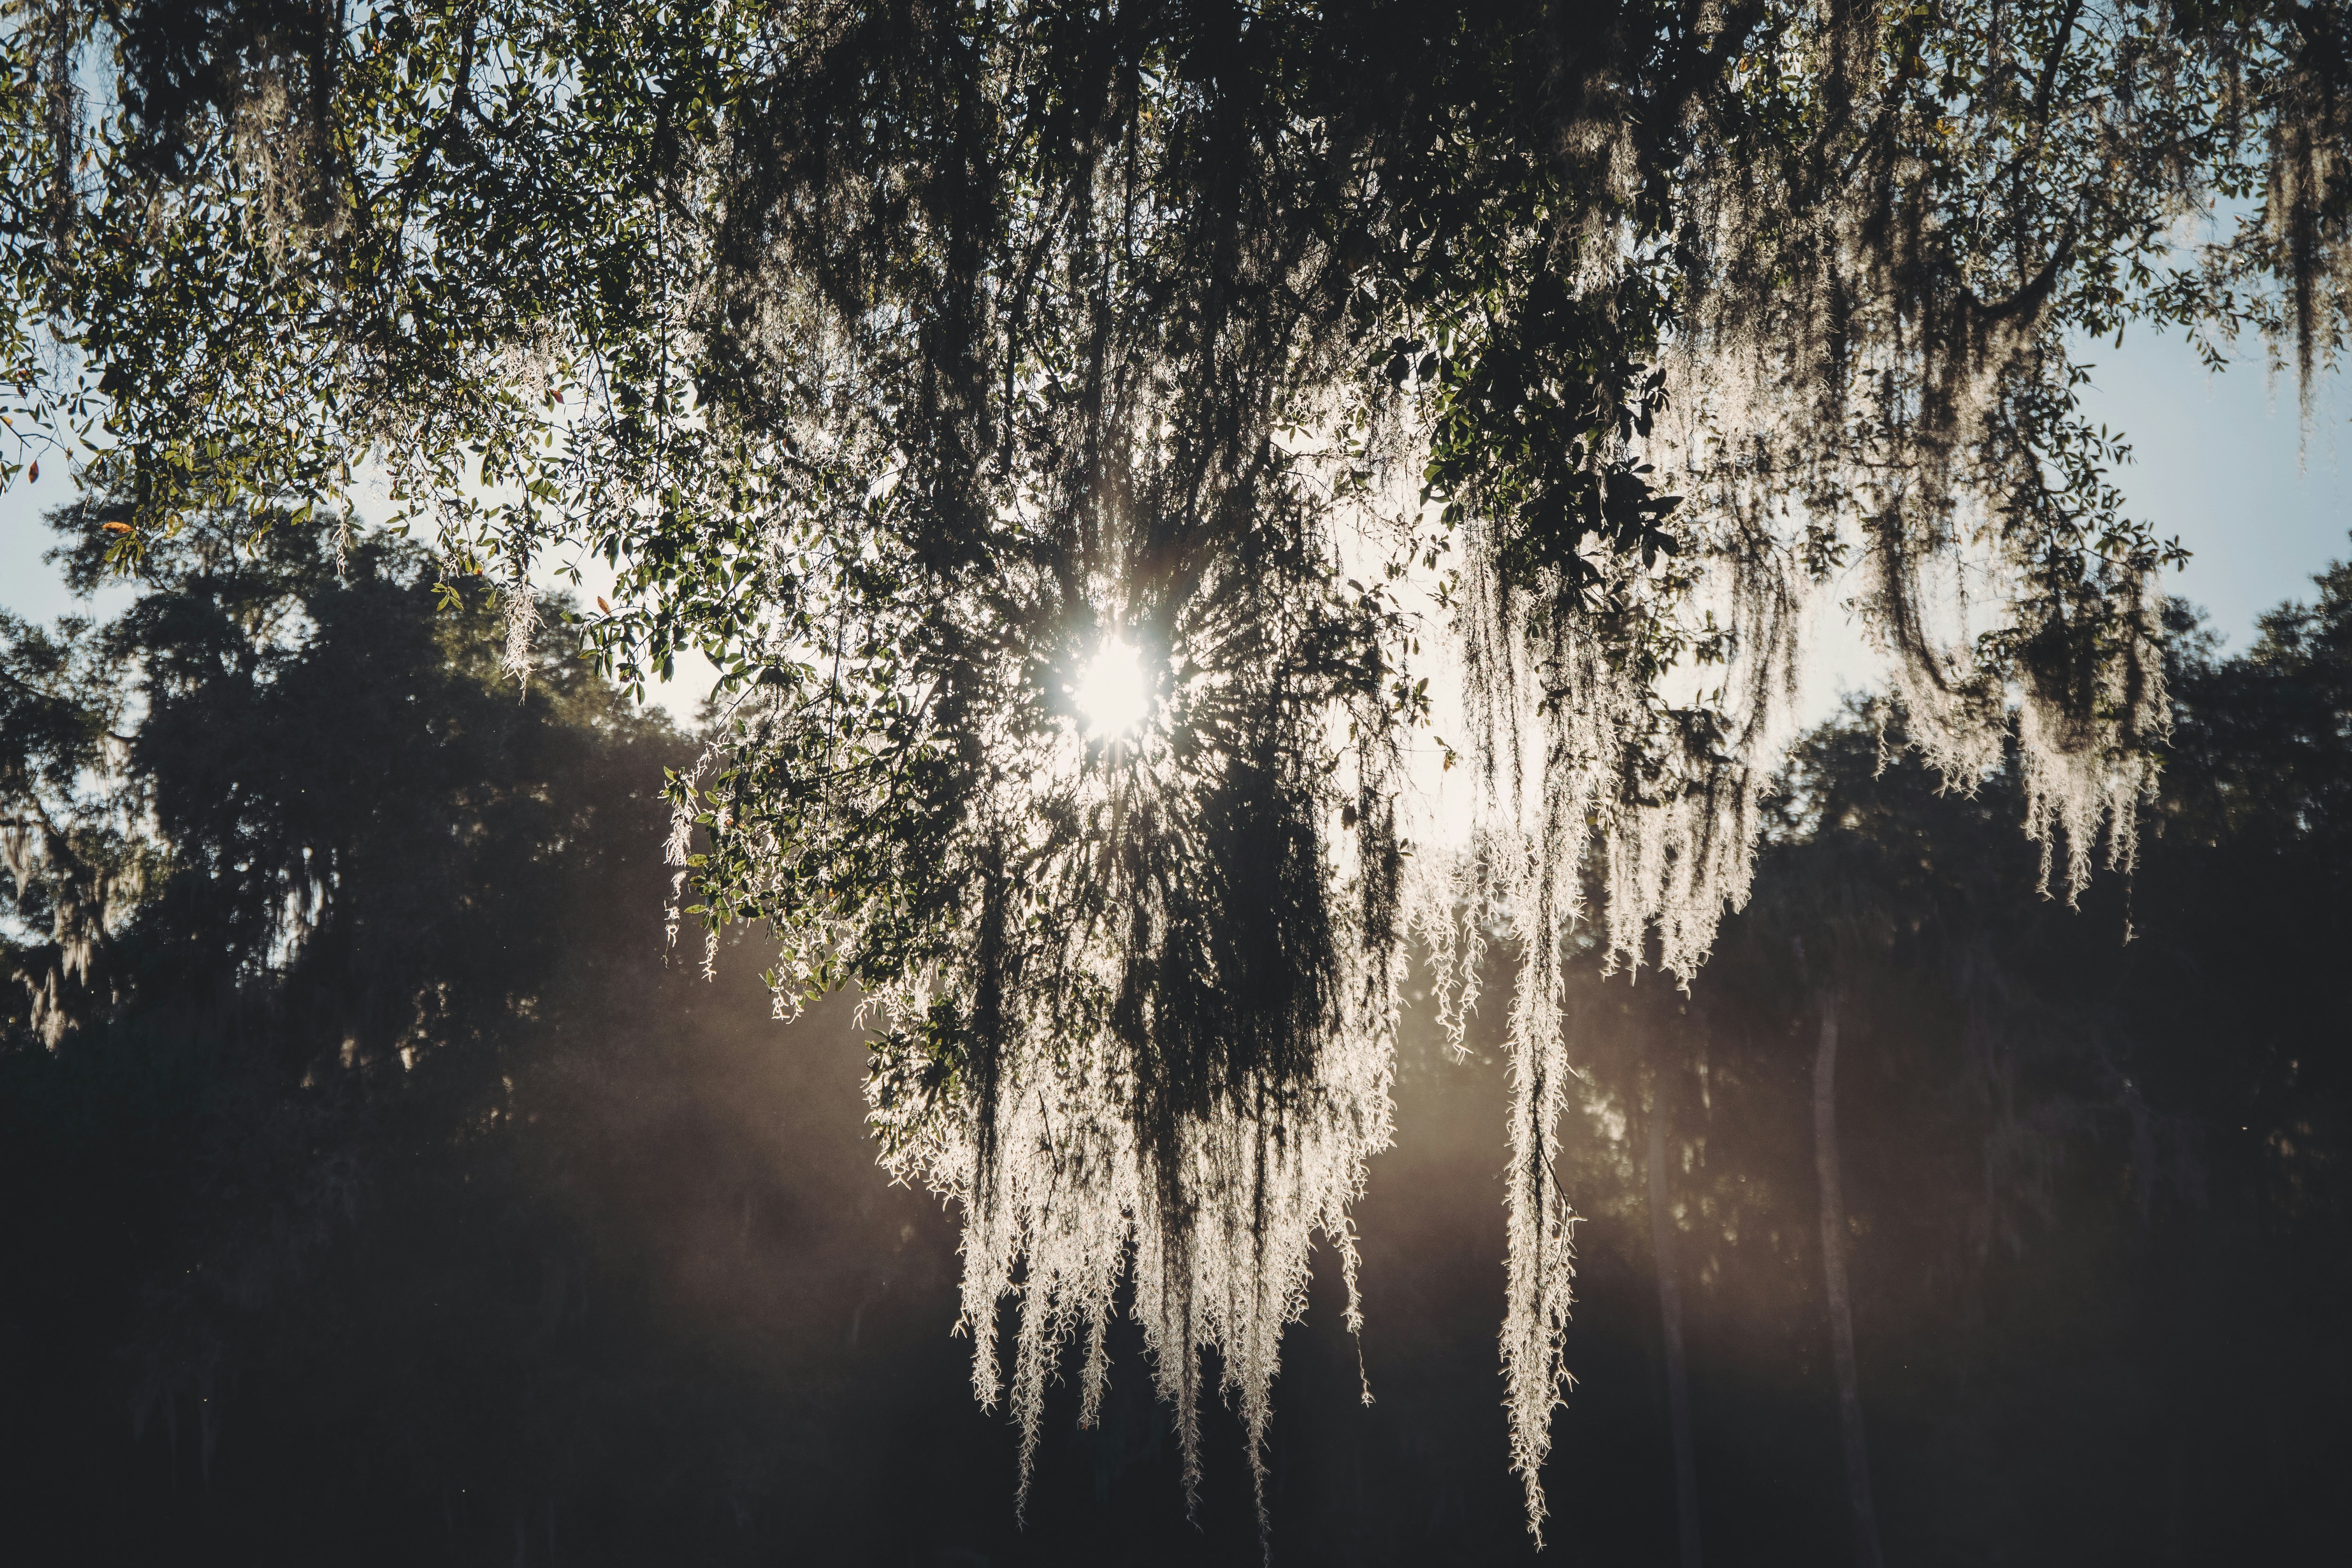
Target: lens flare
(1113, 695)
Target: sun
(1113, 694)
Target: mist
(385, 1185)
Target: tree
(346, 1216)
(2030, 1078)
(908, 357)
(1670, 1322)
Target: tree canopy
(1410, 386)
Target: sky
(2224, 462)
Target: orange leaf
(35, 476)
(602, 606)
(115, 527)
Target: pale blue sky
(2221, 461)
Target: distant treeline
(379, 1186)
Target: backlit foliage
(1410, 388)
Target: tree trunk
(1670, 1316)
(1834, 1230)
